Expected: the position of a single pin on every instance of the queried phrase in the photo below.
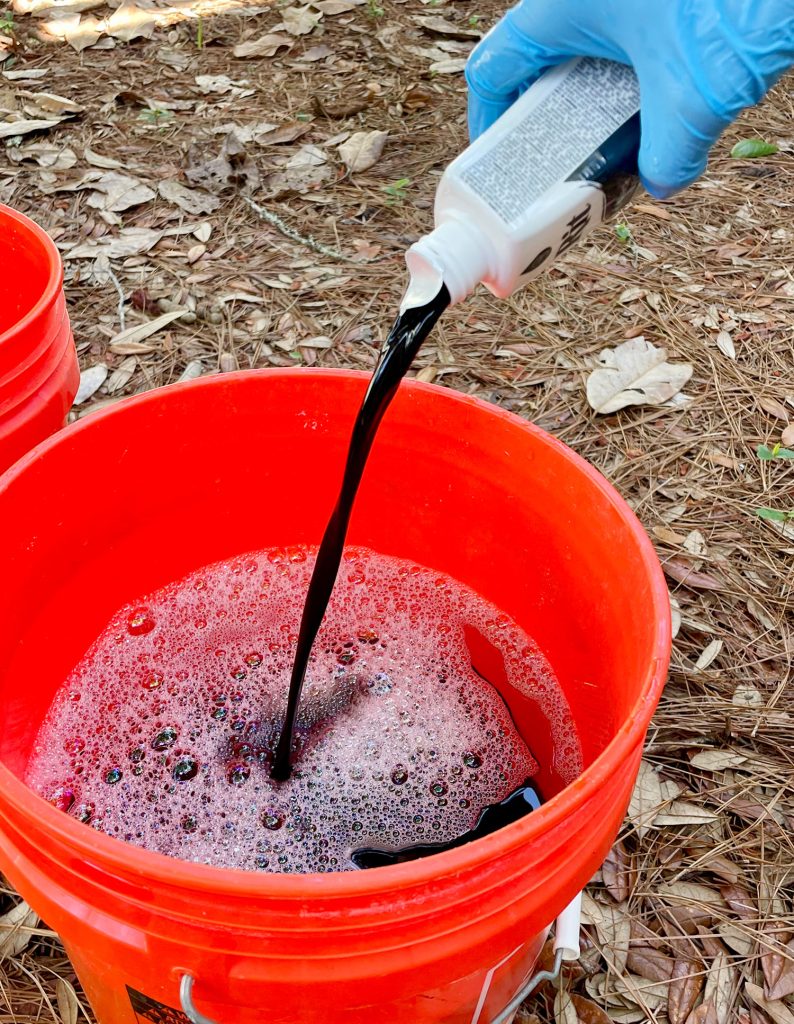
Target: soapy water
(164, 734)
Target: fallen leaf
(25, 74)
(363, 150)
(448, 66)
(787, 437)
(333, 7)
(683, 812)
(777, 1010)
(778, 967)
(130, 22)
(115, 192)
(589, 1012)
(128, 342)
(717, 760)
(266, 46)
(564, 1010)
(122, 375)
(9, 129)
(619, 873)
(130, 242)
(67, 1001)
(681, 571)
(689, 894)
(91, 380)
(232, 168)
(15, 926)
(668, 536)
(315, 53)
(703, 1014)
(747, 696)
(285, 133)
(50, 103)
(299, 21)
(685, 987)
(189, 199)
(773, 407)
(740, 901)
(708, 655)
(194, 369)
(97, 160)
(438, 25)
(650, 963)
(695, 543)
(725, 344)
(646, 799)
(613, 927)
(736, 939)
(634, 373)
(222, 84)
(45, 154)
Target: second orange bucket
(203, 471)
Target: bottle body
(560, 161)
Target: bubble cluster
(164, 734)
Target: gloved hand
(699, 63)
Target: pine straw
(711, 898)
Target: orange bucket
(39, 374)
(202, 471)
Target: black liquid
(495, 816)
(405, 339)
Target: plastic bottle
(560, 161)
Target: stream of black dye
(403, 342)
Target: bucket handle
(566, 948)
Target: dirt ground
(269, 252)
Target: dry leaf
(129, 22)
(114, 192)
(189, 199)
(231, 168)
(130, 242)
(778, 967)
(634, 373)
(128, 342)
(363, 150)
(266, 46)
(299, 21)
(67, 1001)
(222, 84)
(315, 53)
(285, 133)
(683, 812)
(564, 1010)
(97, 160)
(695, 543)
(708, 655)
(448, 66)
(50, 103)
(614, 929)
(759, 613)
(703, 1014)
(747, 696)
(689, 894)
(9, 129)
(725, 344)
(15, 926)
(646, 799)
(773, 407)
(736, 938)
(740, 901)
(619, 873)
(787, 437)
(45, 154)
(588, 1012)
(437, 25)
(650, 963)
(91, 380)
(717, 760)
(777, 1010)
(685, 987)
(122, 375)
(681, 571)
(720, 984)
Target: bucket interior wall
(21, 250)
(203, 473)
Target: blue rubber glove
(699, 63)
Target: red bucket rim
(117, 854)
(54, 280)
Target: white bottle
(561, 160)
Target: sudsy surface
(163, 734)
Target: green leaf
(750, 149)
(623, 232)
(766, 453)
(774, 514)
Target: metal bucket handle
(566, 948)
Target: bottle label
(555, 130)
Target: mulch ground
(273, 253)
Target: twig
(295, 236)
(120, 290)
